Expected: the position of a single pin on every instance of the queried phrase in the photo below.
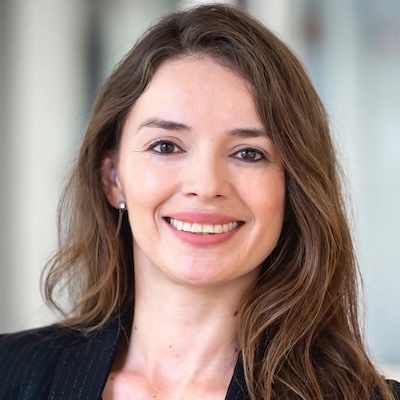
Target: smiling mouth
(203, 229)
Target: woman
(203, 235)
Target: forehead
(198, 62)
(196, 84)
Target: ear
(110, 183)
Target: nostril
(206, 190)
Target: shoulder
(395, 387)
(52, 334)
(47, 341)
(28, 359)
(57, 362)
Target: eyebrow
(164, 124)
(177, 126)
(248, 133)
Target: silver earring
(121, 210)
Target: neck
(181, 332)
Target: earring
(121, 209)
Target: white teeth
(208, 229)
(196, 228)
(218, 229)
(202, 228)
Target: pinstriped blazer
(60, 364)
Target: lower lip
(201, 240)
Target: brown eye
(250, 155)
(165, 147)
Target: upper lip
(211, 218)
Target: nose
(206, 176)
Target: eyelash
(158, 143)
(259, 155)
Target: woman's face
(203, 184)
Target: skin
(192, 148)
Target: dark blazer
(60, 364)
(64, 364)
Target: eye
(249, 155)
(165, 147)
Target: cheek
(141, 180)
(275, 198)
(268, 196)
(146, 188)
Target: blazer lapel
(237, 389)
(83, 368)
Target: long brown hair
(299, 329)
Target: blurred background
(54, 54)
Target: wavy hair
(299, 330)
